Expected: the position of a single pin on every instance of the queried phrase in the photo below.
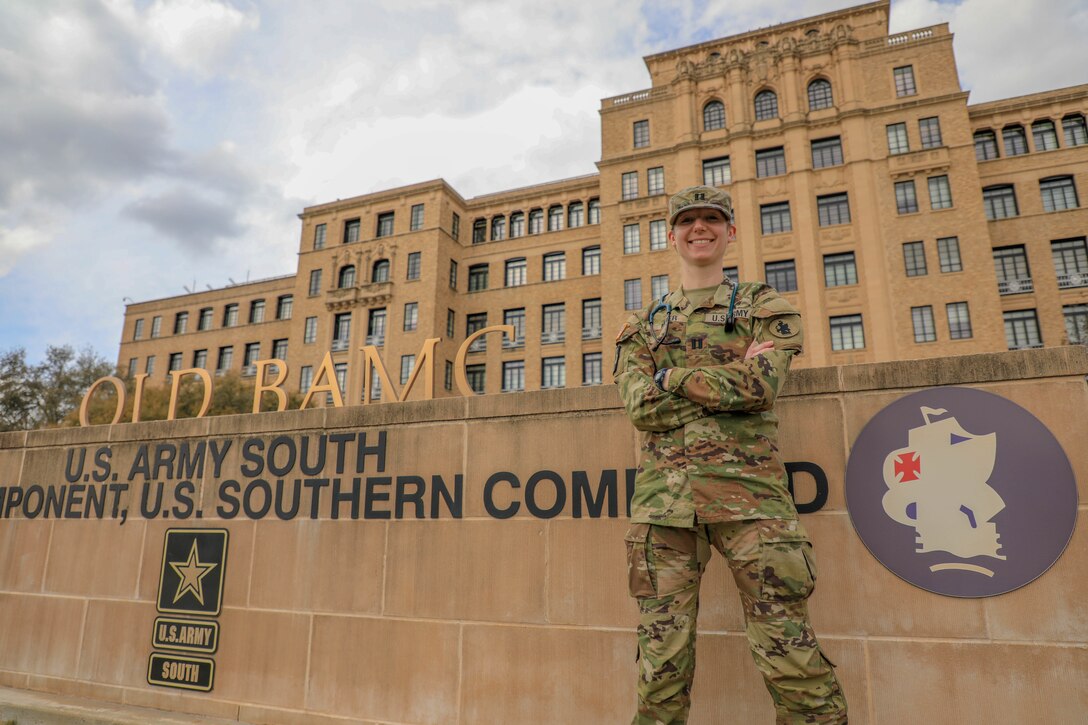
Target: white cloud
(198, 35)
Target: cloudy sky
(151, 146)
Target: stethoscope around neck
(662, 306)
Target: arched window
(347, 276)
(819, 94)
(380, 271)
(536, 221)
(766, 105)
(517, 224)
(575, 214)
(985, 145)
(479, 231)
(713, 116)
(498, 228)
(555, 218)
(594, 211)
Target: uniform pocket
(787, 569)
(639, 582)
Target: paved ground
(22, 707)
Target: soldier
(699, 370)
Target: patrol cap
(700, 197)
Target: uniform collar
(679, 298)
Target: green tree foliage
(42, 395)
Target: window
(181, 323)
(575, 214)
(732, 273)
(553, 373)
(132, 363)
(553, 324)
(341, 331)
(204, 322)
(1076, 132)
(940, 193)
(411, 316)
(138, 329)
(716, 172)
(250, 357)
(416, 222)
(453, 274)
(477, 277)
(833, 209)
(414, 259)
(781, 275)
(775, 218)
(498, 228)
(555, 218)
(948, 252)
(407, 364)
(225, 360)
(770, 162)
(1076, 324)
(1070, 262)
(375, 327)
(1059, 193)
(455, 226)
(555, 266)
(380, 271)
(384, 225)
(279, 349)
(1016, 143)
(914, 259)
(230, 316)
(174, 362)
(642, 134)
(1011, 268)
(319, 236)
(447, 378)
(315, 282)
(591, 368)
(930, 131)
(827, 152)
(904, 81)
(840, 269)
(659, 237)
(513, 376)
(479, 231)
(659, 286)
(346, 278)
(847, 333)
(516, 272)
(959, 320)
(309, 333)
(766, 105)
(351, 231)
(655, 180)
(594, 211)
(200, 360)
(517, 224)
(591, 261)
(1022, 329)
(713, 116)
(340, 372)
(898, 143)
(284, 305)
(631, 240)
(156, 325)
(906, 201)
(1044, 135)
(305, 379)
(591, 319)
(629, 185)
(536, 221)
(474, 322)
(925, 330)
(985, 145)
(149, 368)
(1000, 202)
(451, 319)
(632, 294)
(819, 95)
(516, 319)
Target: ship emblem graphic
(938, 484)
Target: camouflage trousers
(772, 565)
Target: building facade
(903, 222)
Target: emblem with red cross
(908, 466)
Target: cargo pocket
(787, 570)
(639, 583)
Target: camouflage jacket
(709, 442)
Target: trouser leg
(664, 566)
(772, 563)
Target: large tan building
(902, 221)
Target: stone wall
(504, 616)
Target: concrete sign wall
(462, 561)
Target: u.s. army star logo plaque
(194, 562)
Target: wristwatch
(659, 378)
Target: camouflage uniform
(710, 476)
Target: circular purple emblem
(961, 492)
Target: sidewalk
(24, 707)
